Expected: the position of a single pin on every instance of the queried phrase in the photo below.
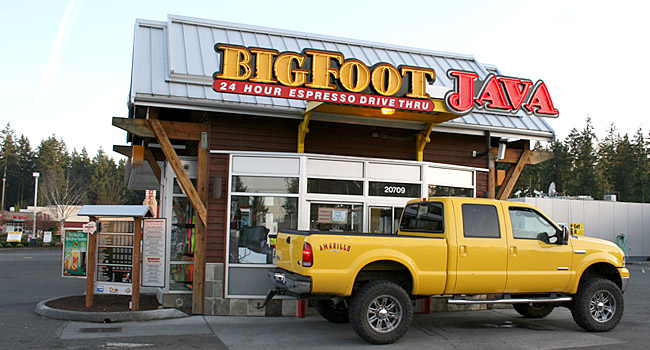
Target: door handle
(462, 251)
(513, 251)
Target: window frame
(558, 231)
(496, 211)
(442, 228)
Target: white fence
(602, 219)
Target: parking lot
(489, 329)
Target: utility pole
(36, 175)
(2, 207)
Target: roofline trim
(297, 113)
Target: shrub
(19, 245)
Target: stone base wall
(216, 305)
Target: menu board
(114, 257)
(120, 274)
(153, 253)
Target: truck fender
(382, 255)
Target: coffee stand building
(247, 130)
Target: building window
(264, 184)
(325, 186)
(440, 191)
(393, 189)
(254, 224)
(336, 217)
(480, 221)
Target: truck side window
(480, 221)
(423, 217)
(528, 224)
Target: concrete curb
(106, 317)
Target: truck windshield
(423, 217)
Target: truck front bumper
(625, 278)
(286, 282)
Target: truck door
(482, 254)
(537, 259)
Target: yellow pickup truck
(453, 247)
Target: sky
(66, 64)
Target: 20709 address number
(395, 189)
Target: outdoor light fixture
(501, 155)
(387, 111)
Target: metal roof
(137, 211)
(173, 64)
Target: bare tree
(63, 197)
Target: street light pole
(36, 175)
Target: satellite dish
(552, 192)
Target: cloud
(58, 49)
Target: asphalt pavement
(28, 277)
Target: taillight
(307, 255)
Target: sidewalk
(489, 329)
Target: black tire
(598, 305)
(381, 312)
(533, 310)
(334, 313)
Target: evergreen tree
(10, 164)
(52, 161)
(25, 163)
(585, 179)
(81, 171)
(108, 183)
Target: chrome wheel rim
(602, 306)
(384, 313)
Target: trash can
(32, 241)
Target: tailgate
(288, 250)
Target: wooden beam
(513, 154)
(422, 140)
(198, 285)
(303, 130)
(123, 150)
(175, 130)
(513, 176)
(184, 180)
(148, 155)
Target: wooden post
(135, 279)
(90, 267)
(198, 284)
(492, 176)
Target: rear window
(480, 221)
(423, 217)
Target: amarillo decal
(335, 247)
(326, 77)
(498, 93)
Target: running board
(509, 301)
